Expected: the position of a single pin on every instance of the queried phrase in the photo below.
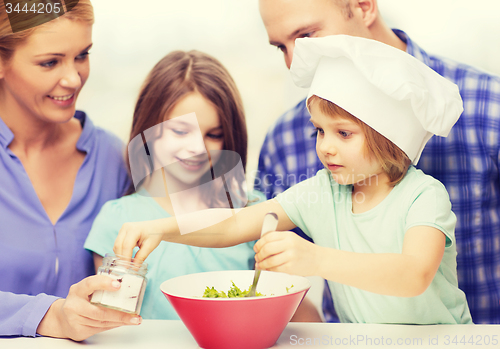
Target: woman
(57, 171)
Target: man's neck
(381, 32)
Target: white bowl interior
(270, 283)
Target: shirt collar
(6, 135)
(412, 48)
(84, 143)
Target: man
(466, 162)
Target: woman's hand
(76, 318)
(285, 251)
(147, 235)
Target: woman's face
(46, 73)
(187, 137)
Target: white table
(153, 334)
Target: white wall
(131, 36)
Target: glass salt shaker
(132, 277)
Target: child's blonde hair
(394, 161)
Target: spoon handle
(270, 224)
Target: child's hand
(285, 251)
(147, 235)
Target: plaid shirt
(466, 162)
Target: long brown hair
(393, 160)
(180, 73)
(9, 41)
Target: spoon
(270, 224)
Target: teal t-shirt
(323, 210)
(168, 260)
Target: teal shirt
(323, 210)
(168, 260)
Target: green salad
(234, 292)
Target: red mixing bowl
(242, 323)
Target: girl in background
(189, 116)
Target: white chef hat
(386, 88)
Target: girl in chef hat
(383, 231)
(187, 152)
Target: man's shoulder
(480, 91)
(293, 128)
(292, 118)
(458, 71)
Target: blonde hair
(9, 41)
(394, 161)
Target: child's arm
(244, 225)
(404, 274)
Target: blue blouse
(39, 258)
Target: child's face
(187, 139)
(340, 145)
